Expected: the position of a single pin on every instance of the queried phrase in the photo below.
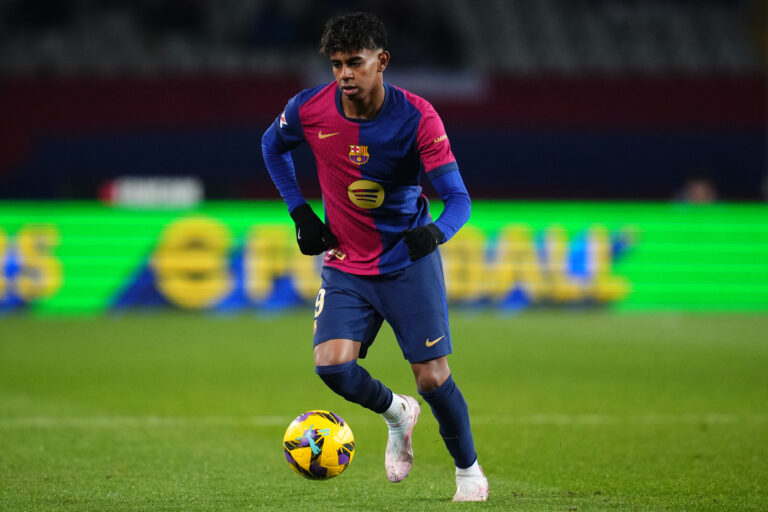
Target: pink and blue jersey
(369, 173)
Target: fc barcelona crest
(358, 154)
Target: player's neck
(364, 108)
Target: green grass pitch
(570, 411)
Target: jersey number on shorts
(319, 302)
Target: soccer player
(381, 259)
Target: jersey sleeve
(434, 148)
(458, 206)
(284, 134)
(280, 167)
(287, 126)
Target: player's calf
(354, 383)
(452, 414)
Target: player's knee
(430, 375)
(427, 382)
(335, 352)
(341, 378)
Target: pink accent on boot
(399, 455)
(471, 487)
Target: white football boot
(471, 484)
(401, 418)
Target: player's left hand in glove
(422, 240)
(312, 235)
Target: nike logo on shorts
(430, 343)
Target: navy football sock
(452, 415)
(354, 383)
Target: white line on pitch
(273, 421)
(616, 419)
(142, 421)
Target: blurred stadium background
(616, 154)
(615, 150)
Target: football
(319, 445)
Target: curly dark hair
(351, 32)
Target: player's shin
(452, 414)
(354, 383)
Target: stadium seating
(512, 36)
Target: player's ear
(383, 58)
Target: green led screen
(85, 257)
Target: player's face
(359, 73)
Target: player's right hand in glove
(422, 240)
(312, 235)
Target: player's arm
(280, 167)
(424, 239)
(312, 235)
(458, 206)
(442, 170)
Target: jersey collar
(384, 106)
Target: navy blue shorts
(411, 300)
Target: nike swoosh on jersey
(321, 135)
(430, 343)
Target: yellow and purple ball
(319, 445)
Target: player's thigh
(415, 306)
(343, 313)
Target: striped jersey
(369, 171)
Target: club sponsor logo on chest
(366, 194)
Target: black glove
(312, 235)
(422, 240)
